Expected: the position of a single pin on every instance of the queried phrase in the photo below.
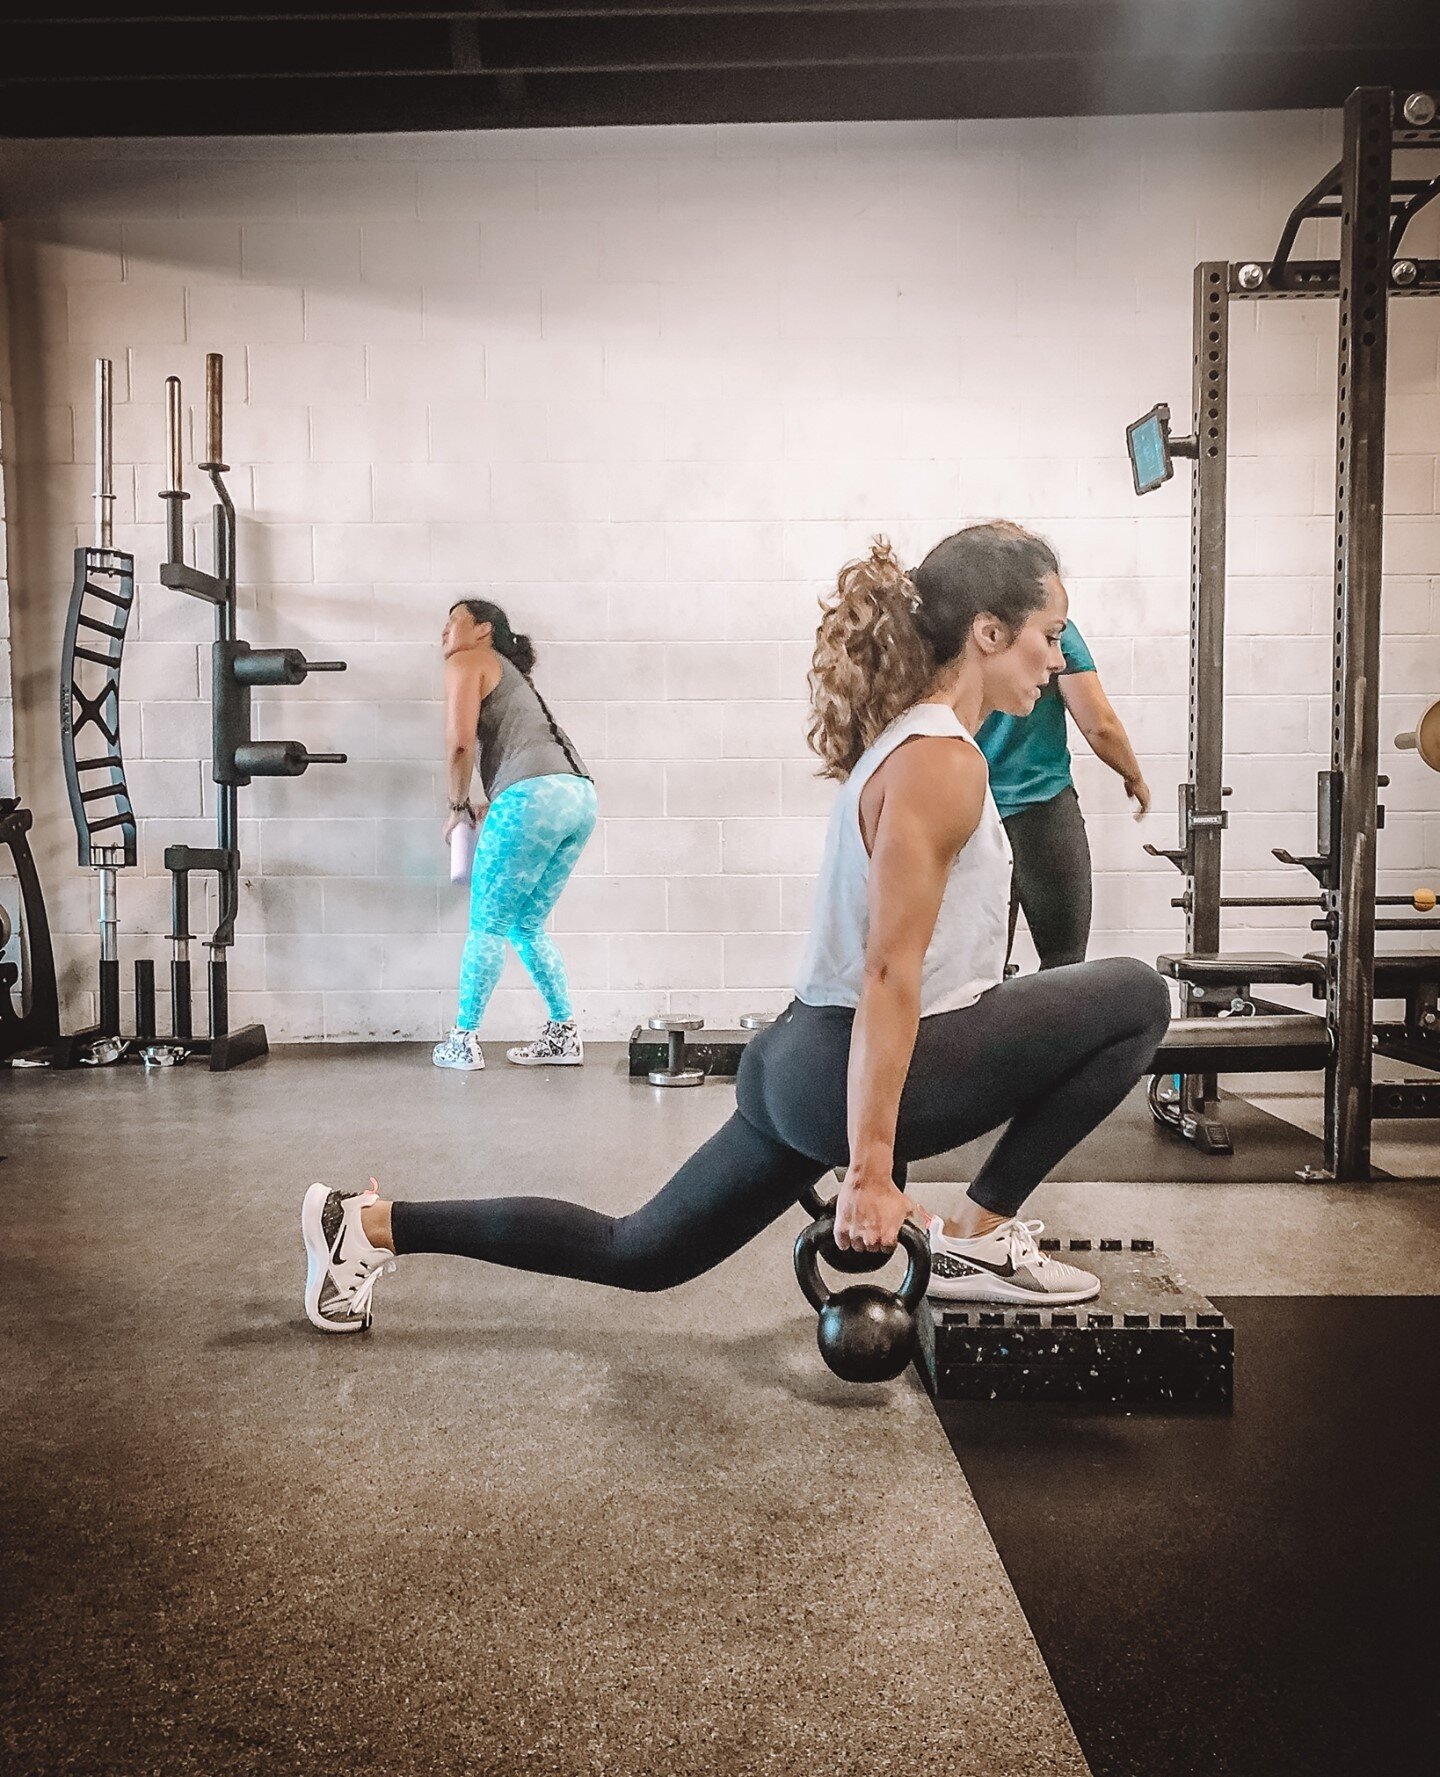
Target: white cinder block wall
(649, 389)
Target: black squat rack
(1374, 208)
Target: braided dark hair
(520, 652)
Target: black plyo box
(1148, 1339)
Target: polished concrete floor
(523, 1525)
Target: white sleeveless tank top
(966, 953)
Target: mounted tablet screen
(1148, 441)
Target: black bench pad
(1244, 968)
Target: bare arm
(933, 793)
(1096, 719)
(466, 687)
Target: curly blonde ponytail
(870, 661)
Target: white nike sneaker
(558, 1045)
(460, 1050)
(1004, 1266)
(341, 1265)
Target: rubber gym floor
(529, 1526)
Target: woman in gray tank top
(541, 812)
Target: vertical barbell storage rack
(102, 597)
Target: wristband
(462, 808)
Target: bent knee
(1151, 997)
(1140, 997)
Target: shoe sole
(460, 1067)
(996, 1289)
(317, 1262)
(546, 1060)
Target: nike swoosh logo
(949, 1265)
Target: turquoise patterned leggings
(529, 843)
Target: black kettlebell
(840, 1258)
(865, 1333)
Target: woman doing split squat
(902, 1040)
(542, 811)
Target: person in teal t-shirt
(1030, 779)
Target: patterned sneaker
(1004, 1266)
(341, 1266)
(558, 1045)
(461, 1049)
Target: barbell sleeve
(174, 482)
(214, 408)
(104, 456)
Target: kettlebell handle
(807, 1263)
(816, 1204)
(917, 1270)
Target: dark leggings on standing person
(1051, 880)
(1049, 1055)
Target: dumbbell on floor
(675, 1072)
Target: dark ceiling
(87, 68)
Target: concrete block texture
(649, 390)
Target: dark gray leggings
(1051, 883)
(1050, 1055)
